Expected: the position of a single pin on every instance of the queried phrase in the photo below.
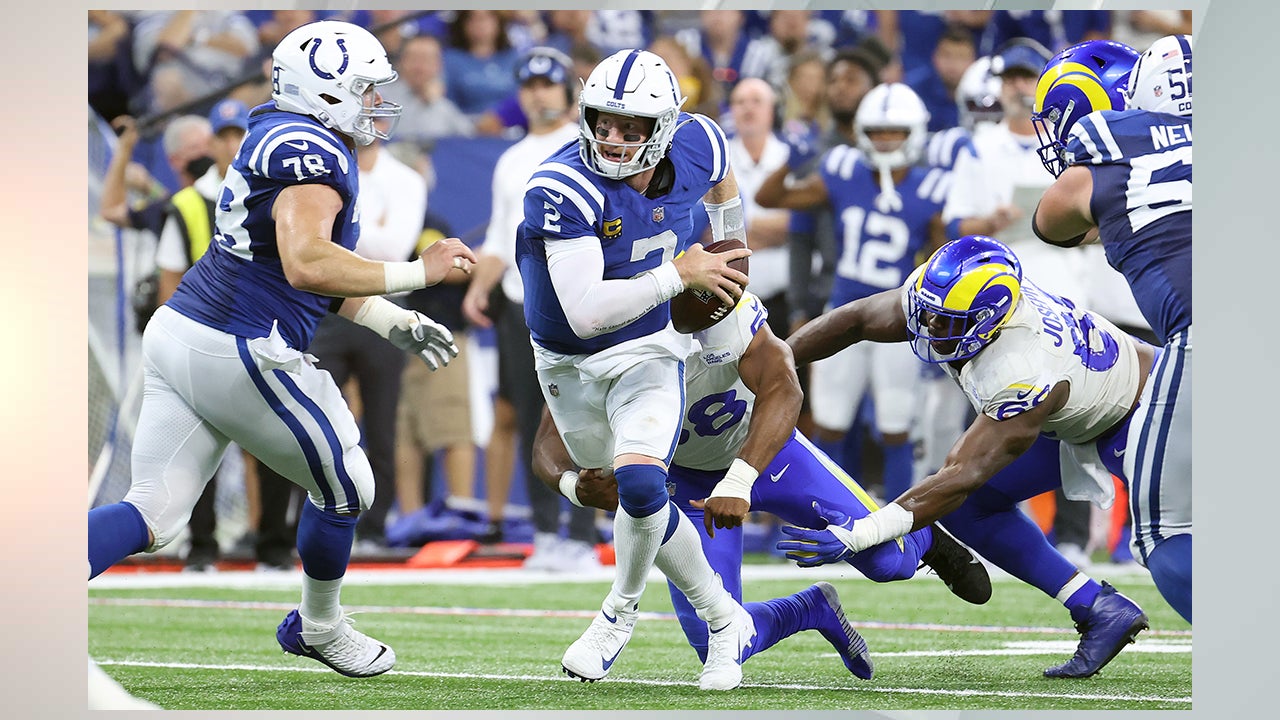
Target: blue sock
(775, 619)
(1170, 566)
(898, 460)
(1082, 599)
(1014, 543)
(324, 542)
(115, 532)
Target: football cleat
(341, 647)
(591, 656)
(725, 649)
(958, 568)
(1112, 622)
(826, 615)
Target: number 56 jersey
(1047, 340)
(1141, 166)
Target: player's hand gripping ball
(696, 310)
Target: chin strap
(888, 201)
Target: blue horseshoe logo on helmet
(342, 45)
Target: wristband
(889, 522)
(737, 481)
(569, 486)
(728, 220)
(379, 314)
(668, 279)
(403, 276)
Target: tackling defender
(224, 357)
(745, 399)
(1124, 177)
(603, 219)
(1055, 387)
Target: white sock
(635, 543)
(684, 563)
(320, 607)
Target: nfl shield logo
(554, 389)
(659, 213)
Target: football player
(224, 357)
(1124, 177)
(744, 401)
(1054, 386)
(603, 220)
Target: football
(694, 310)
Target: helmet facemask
(630, 84)
(960, 300)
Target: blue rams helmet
(1082, 79)
(961, 297)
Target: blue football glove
(802, 152)
(812, 548)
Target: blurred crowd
(177, 86)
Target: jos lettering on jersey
(1097, 350)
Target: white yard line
(614, 679)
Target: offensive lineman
(225, 357)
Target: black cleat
(962, 572)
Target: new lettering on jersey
(564, 200)
(239, 285)
(1141, 165)
(718, 405)
(876, 251)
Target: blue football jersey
(239, 285)
(564, 200)
(876, 251)
(946, 146)
(1141, 165)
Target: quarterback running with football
(603, 220)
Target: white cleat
(725, 649)
(591, 656)
(341, 647)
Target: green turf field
(479, 645)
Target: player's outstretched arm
(553, 466)
(984, 449)
(877, 318)
(1063, 217)
(304, 216)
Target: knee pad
(642, 489)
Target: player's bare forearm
(1063, 216)
(877, 318)
(723, 191)
(984, 449)
(550, 457)
(767, 370)
(805, 194)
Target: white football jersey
(717, 404)
(1049, 339)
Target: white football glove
(416, 333)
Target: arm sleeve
(593, 305)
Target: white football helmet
(329, 70)
(978, 95)
(636, 83)
(1161, 79)
(892, 106)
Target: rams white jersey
(1048, 340)
(718, 405)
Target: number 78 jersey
(1047, 340)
